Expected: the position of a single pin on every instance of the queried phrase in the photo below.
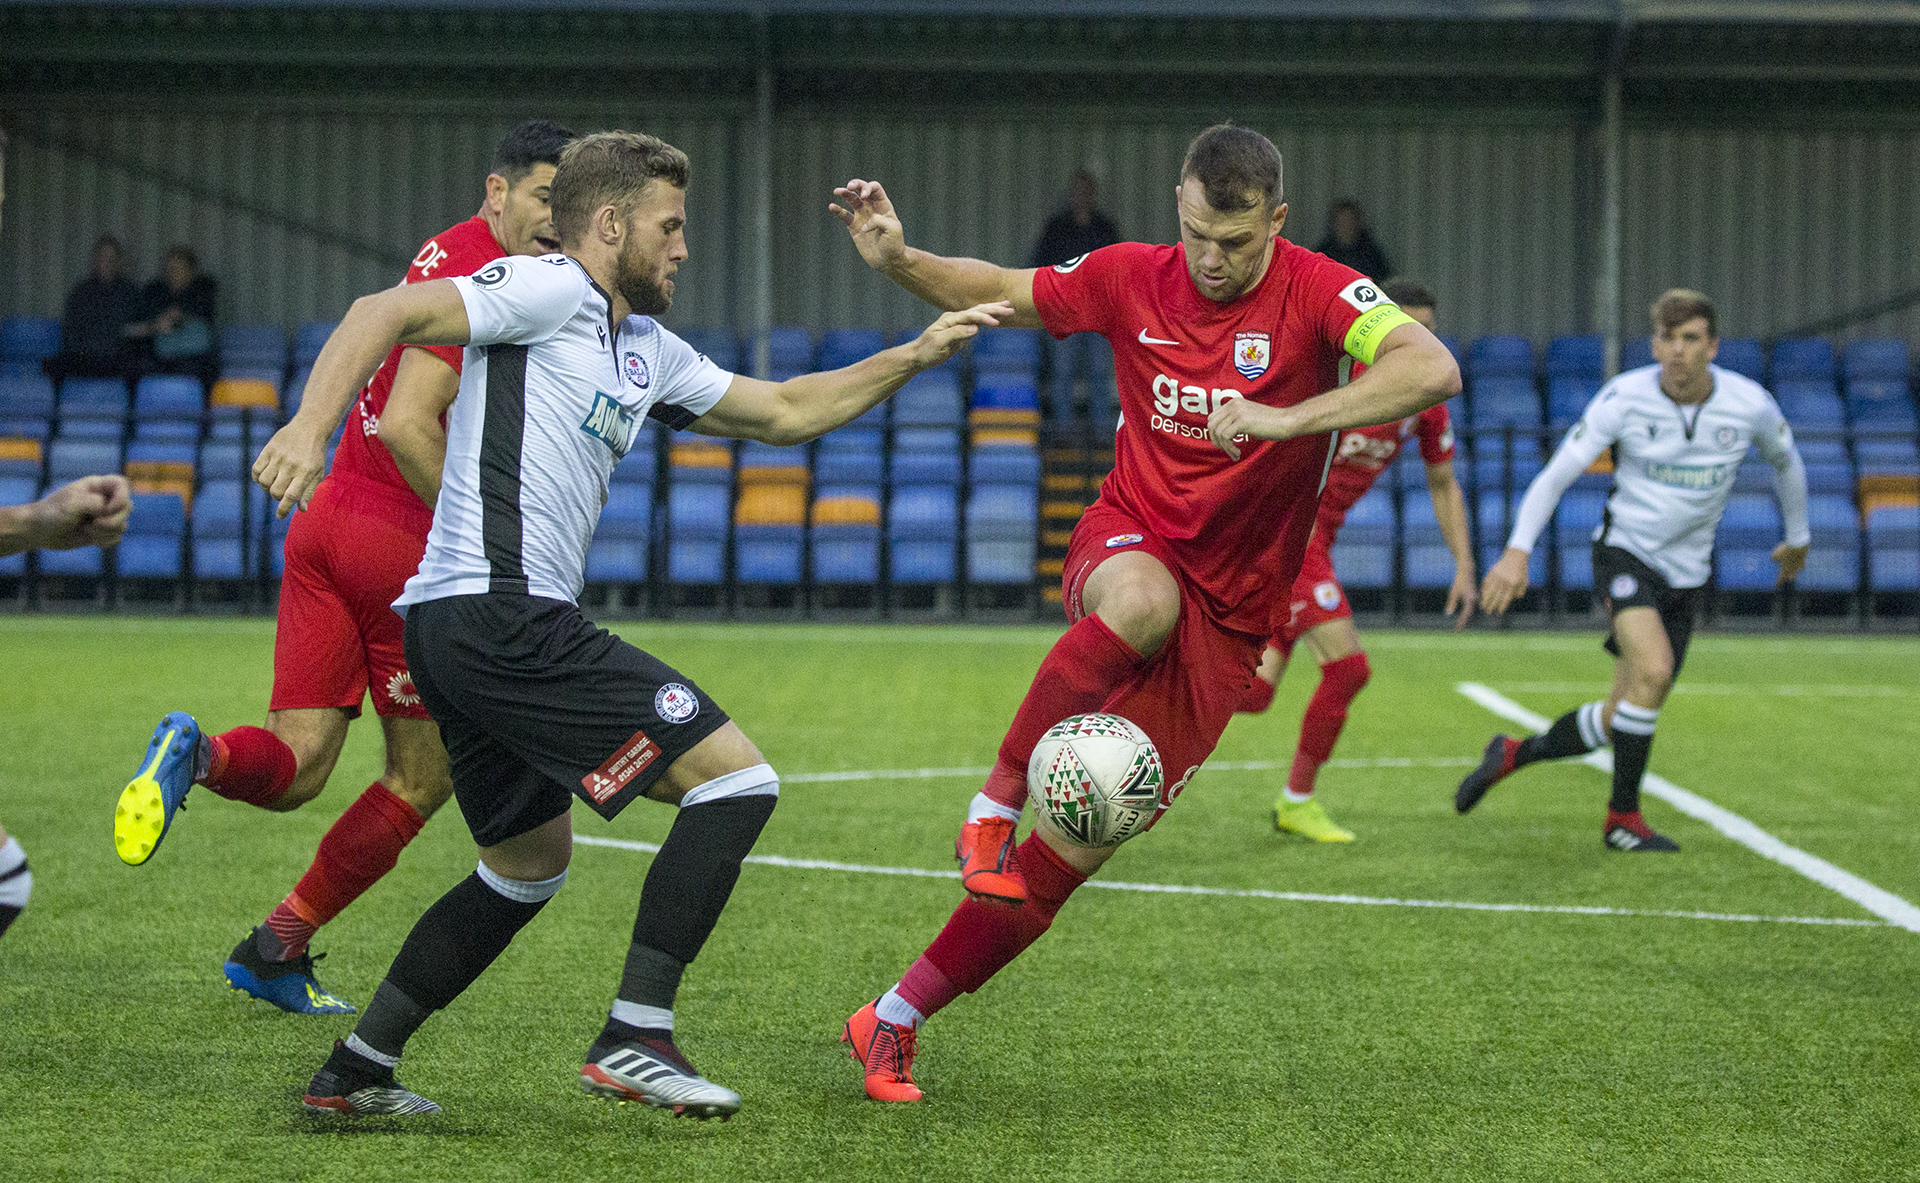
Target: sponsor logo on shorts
(400, 689)
(635, 367)
(1250, 353)
(1327, 595)
(620, 768)
(676, 703)
(1726, 437)
(1623, 586)
(1690, 476)
(1125, 540)
(610, 423)
(494, 275)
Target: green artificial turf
(1152, 1036)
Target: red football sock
(1081, 669)
(925, 988)
(250, 764)
(359, 848)
(981, 938)
(1340, 683)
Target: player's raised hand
(289, 468)
(1792, 560)
(944, 337)
(91, 511)
(868, 216)
(1462, 597)
(1238, 419)
(1506, 582)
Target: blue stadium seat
(1500, 356)
(1636, 352)
(1371, 520)
(1893, 548)
(93, 407)
(155, 538)
(308, 340)
(222, 460)
(1805, 357)
(1890, 457)
(291, 393)
(1822, 449)
(26, 406)
(16, 490)
(1429, 564)
(1007, 351)
(849, 467)
(847, 552)
(929, 399)
(1453, 346)
(1577, 517)
(1751, 521)
(237, 424)
(640, 465)
(1003, 528)
(1741, 355)
(1877, 359)
(1582, 357)
(926, 468)
(699, 517)
(621, 561)
(216, 531)
(1811, 404)
(1829, 477)
(1366, 566)
(618, 553)
(719, 345)
(1010, 465)
(1833, 563)
(1006, 392)
(1567, 399)
(1497, 402)
(922, 526)
(169, 397)
(70, 459)
(1754, 475)
(146, 451)
(1493, 538)
(262, 346)
(768, 554)
(83, 561)
(843, 347)
(1746, 569)
(790, 350)
(1881, 404)
(29, 338)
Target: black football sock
(450, 946)
(1632, 744)
(1573, 734)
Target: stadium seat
(790, 350)
(698, 517)
(1636, 352)
(1575, 520)
(1493, 538)
(1829, 477)
(1887, 457)
(846, 534)
(1833, 562)
(308, 340)
(1567, 399)
(1817, 449)
(922, 527)
(29, 339)
(223, 460)
(1581, 357)
(1804, 357)
(155, 539)
(1453, 346)
(18, 490)
(863, 466)
(21, 458)
(621, 542)
(1811, 405)
(26, 406)
(1007, 351)
(1002, 533)
(1751, 521)
(770, 517)
(640, 465)
(1497, 402)
(1004, 466)
(295, 388)
(1881, 405)
(1893, 548)
(70, 459)
(1429, 564)
(93, 407)
(1877, 359)
(1754, 475)
(1500, 356)
(700, 463)
(262, 346)
(925, 456)
(929, 399)
(842, 347)
(1741, 355)
(168, 406)
(1371, 520)
(719, 346)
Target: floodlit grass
(1148, 1036)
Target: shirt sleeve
(520, 300)
(689, 383)
(1774, 438)
(1078, 296)
(1354, 315)
(1598, 428)
(1436, 435)
(443, 256)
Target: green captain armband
(1364, 335)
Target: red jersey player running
(1318, 612)
(348, 555)
(1223, 345)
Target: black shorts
(1623, 581)
(536, 705)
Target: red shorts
(1186, 694)
(348, 555)
(1317, 597)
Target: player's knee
(1142, 613)
(424, 791)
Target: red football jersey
(1237, 527)
(461, 249)
(1363, 453)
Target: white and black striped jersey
(1673, 469)
(551, 396)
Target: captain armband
(1364, 335)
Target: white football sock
(896, 1010)
(1294, 798)
(983, 806)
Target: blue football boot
(289, 985)
(177, 755)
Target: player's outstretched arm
(1411, 371)
(1790, 488)
(424, 387)
(943, 282)
(91, 511)
(295, 459)
(1450, 510)
(804, 408)
(1506, 580)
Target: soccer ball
(1097, 778)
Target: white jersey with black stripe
(1673, 469)
(552, 394)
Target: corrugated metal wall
(298, 211)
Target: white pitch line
(1877, 900)
(1305, 897)
(814, 778)
(1729, 689)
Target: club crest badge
(635, 367)
(1250, 354)
(1119, 540)
(1726, 436)
(675, 703)
(1327, 595)
(1623, 586)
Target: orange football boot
(987, 867)
(885, 1051)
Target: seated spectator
(176, 319)
(1082, 226)
(1349, 241)
(93, 322)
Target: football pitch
(1318, 1012)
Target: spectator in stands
(1082, 226)
(1349, 241)
(176, 319)
(93, 323)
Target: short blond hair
(610, 167)
(1677, 306)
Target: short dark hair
(537, 141)
(1237, 167)
(1677, 306)
(184, 253)
(610, 166)
(1408, 293)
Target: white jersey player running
(1678, 431)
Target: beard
(635, 282)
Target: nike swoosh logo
(1146, 340)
